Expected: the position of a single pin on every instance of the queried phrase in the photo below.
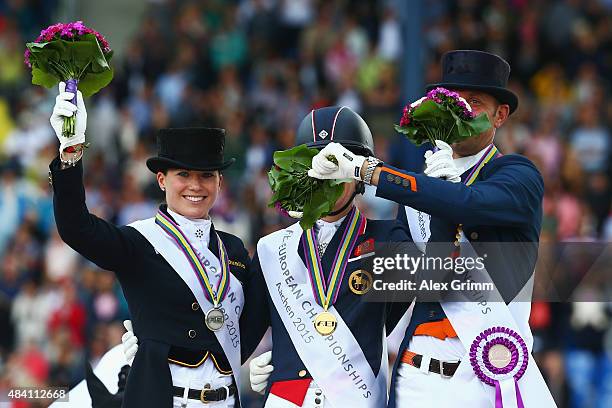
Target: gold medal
(325, 323)
(214, 319)
(326, 292)
(360, 282)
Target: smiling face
(191, 193)
(497, 113)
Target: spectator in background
(13, 201)
(588, 366)
(590, 140)
(69, 315)
(389, 37)
(60, 261)
(29, 314)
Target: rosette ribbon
(499, 358)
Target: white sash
(418, 222)
(469, 318)
(229, 335)
(336, 362)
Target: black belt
(207, 395)
(435, 366)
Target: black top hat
(196, 148)
(336, 124)
(479, 70)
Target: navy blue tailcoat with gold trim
(365, 319)
(501, 214)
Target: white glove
(440, 164)
(64, 108)
(348, 167)
(129, 342)
(259, 372)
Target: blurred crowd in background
(255, 68)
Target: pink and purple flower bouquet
(73, 53)
(441, 115)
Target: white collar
(467, 162)
(320, 224)
(325, 231)
(184, 221)
(197, 231)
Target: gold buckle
(202, 396)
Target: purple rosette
(499, 355)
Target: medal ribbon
(174, 231)
(326, 293)
(489, 154)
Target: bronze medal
(325, 323)
(360, 282)
(214, 319)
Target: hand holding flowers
(297, 194)
(72, 53)
(441, 115)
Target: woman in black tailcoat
(184, 281)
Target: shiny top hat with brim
(336, 124)
(195, 148)
(478, 70)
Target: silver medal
(214, 319)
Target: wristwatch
(373, 162)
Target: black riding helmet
(338, 124)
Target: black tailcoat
(164, 311)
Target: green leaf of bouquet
(318, 206)
(412, 134)
(93, 82)
(44, 78)
(429, 111)
(83, 57)
(100, 62)
(291, 159)
(273, 175)
(41, 53)
(479, 124)
(315, 198)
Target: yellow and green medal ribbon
(326, 293)
(174, 231)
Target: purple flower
(78, 25)
(278, 206)
(26, 58)
(72, 30)
(405, 120)
(66, 31)
(440, 93)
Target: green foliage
(432, 121)
(294, 190)
(60, 60)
